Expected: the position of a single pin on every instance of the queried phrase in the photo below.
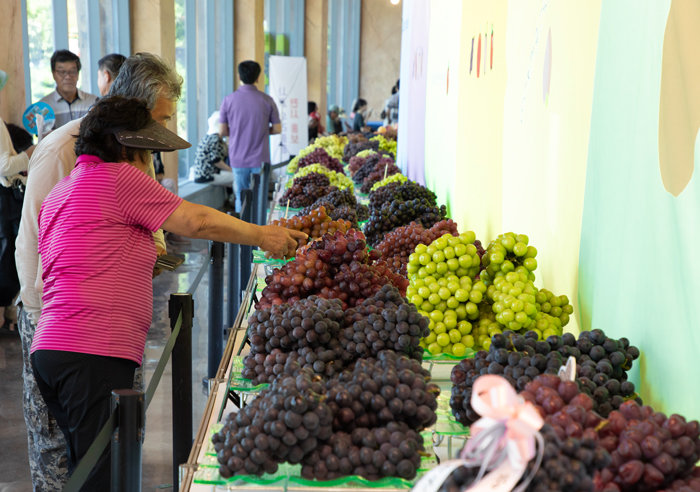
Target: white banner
(287, 87)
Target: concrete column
(249, 37)
(12, 103)
(153, 30)
(316, 52)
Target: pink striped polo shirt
(97, 255)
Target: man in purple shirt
(248, 117)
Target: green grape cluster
(441, 285)
(338, 180)
(553, 313)
(385, 144)
(507, 252)
(365, 153)
(514, 299)
(394, 178)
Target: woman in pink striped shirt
(97, 255)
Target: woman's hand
(280, 242)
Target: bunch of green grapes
(333, 144)
(441, 285)
(514, 299)
(394, 178)
(338, 180)
(507, 252)
(386, 144)
(365, 153)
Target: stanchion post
(216, 307)
(127, 439)
(181, 363)
(246, 251)
(234, 283)
(264, 191)
(254, 208)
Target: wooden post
(12, 103)
(249, 37)
(316, 52)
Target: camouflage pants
(48, 457)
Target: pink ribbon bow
(502, 408)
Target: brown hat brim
(153, 136)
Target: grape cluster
(306, 189)
(384, 321)
(337, 266)
(400, 192)
(316, 223)
(649, 449)
(567, 465)
(384, 168)
(374, 166)
(601, 371)
(364, 421)
(339, 180)
(506, 252)
(320, 156)
(356, 145)
(284, 423)
(311, 323)
(397, 213)
(341, 204)
(398, 244)
(394, 178)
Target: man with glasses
(67, 101)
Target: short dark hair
(147, 76)
(21, 138)
(109, 115)
(249, 71)
(311, 107)
(111, 63)
(62, 56)
(359, 102)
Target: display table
(200, 473)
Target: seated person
(334, 122)
(359, 110)
(209, 159)
(315, 127)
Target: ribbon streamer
(508, 430)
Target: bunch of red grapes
(398, 244)
(305, 190)
(338, 266)
(316, 223)
(320, 156)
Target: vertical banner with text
(287, 75)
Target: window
(40, 34)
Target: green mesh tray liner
(239, 383)
(288, 474)
(259, 257)
(427, 356)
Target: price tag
(501, 479)
(568, 372)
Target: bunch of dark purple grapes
(309, 327)
(521, 358)
(383, 169)
(320, 156)
(384, 321)
(390, 388)
(374, 163)
(352, 148)
(402, 192)
(305, 190)
(286, 422)
(397, 213)
(341, 204)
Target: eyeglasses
(67, 73)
